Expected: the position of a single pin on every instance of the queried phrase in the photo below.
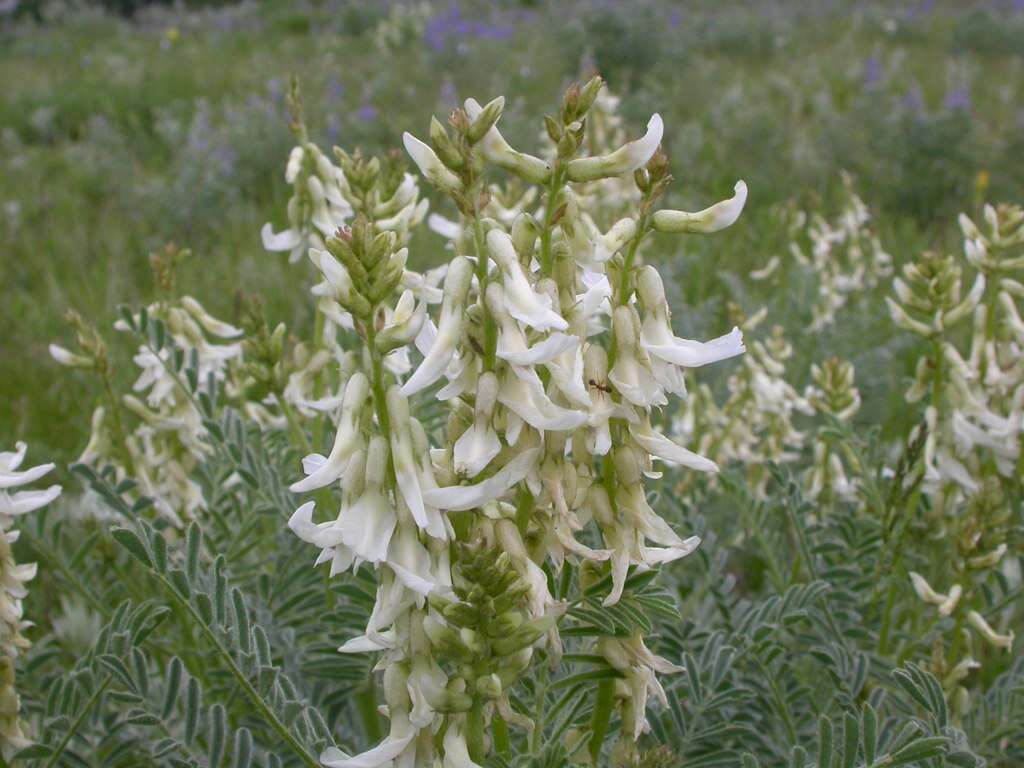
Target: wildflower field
(453, 384)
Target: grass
(121, 135)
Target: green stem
(86, 708)
(318, 340)
(623, 288)
(502, 743)
(883, 635)
(377, 384)
(780, 702)
(475, 732)
(241, 679)
(808, 558)
(366, 703)
(490, 326)
(601, 718)
(298, 433)
(546, 258)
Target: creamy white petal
(718, 216)
(285, 240)
(461, 497)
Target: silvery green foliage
(496, 543)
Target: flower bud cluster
(552, 348)
(834, 395)
(13, 580)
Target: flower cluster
(552, 347)
(169, 438)
(973, 416)
(13, 577)
(755, 425)
(843, 254)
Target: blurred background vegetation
(125, 126)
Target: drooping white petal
(12, 479)
(381, 756)
(346, 441)
(444, 227)
(456, 753)
(23, 502)
(665, 449)
(367, 526)
(363, 644)
(461, 497)
(718, 216)
(523, 394)
(285, 240)
(430, 164)
(693, 354)
(521, 301)
(449, 330)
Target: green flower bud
(489, 686)
(526, 635)
(444, 146)
(485, 120)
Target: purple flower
(275, 89)
(872, 72)
(335, 89)
(451, 25)
(958, 99)
(333, 129)
(675, 19)
(913, 100)
(449, 97)
(367, 112)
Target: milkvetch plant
(552, 346)
(439, 526)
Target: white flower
(625, 159)
(631, 375)
(638, 665)
(322, 471)
(663, 448)
(430, 164)
(449, 329)
(15, 503)
(521, 301)
(13, 578)
(512, 343)
(384, 755)
(409, 472)
(977, 621)
(946, 602)
(523, 393)
(668, 352)
(461, 497)
(68, 358)
(479, 444)
(456, 753)
(608, 244)
(718, 216)
(290, 240)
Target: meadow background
(129, 129)
(126, 126)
